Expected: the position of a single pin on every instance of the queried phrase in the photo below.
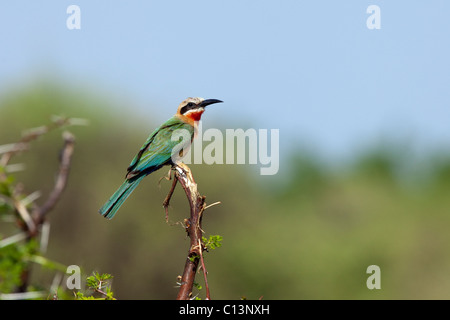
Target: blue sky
(309, 68)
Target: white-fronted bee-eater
(157, 151)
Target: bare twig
(61, 180)
(212, 204)
(193, 228)
(12, 147)
(13, 239)
(208, 297)
(30, 225)
(103, 293)
(30, 135)
(169, 196)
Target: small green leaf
(214, 241)
(192, 258)
(91, 282)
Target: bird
(157, 150)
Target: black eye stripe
(188, 107)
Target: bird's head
(193, 108)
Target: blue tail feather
(110, 208)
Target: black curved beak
(209, 101)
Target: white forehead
(195, 100)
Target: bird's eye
(187, 107)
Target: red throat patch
(195, 115)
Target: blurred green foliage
(308, 233)
(13, 262)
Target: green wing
(157, 150)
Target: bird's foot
(168, 176)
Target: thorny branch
(33, 134)
(31, 223)
(61, 180)
(193, 227)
